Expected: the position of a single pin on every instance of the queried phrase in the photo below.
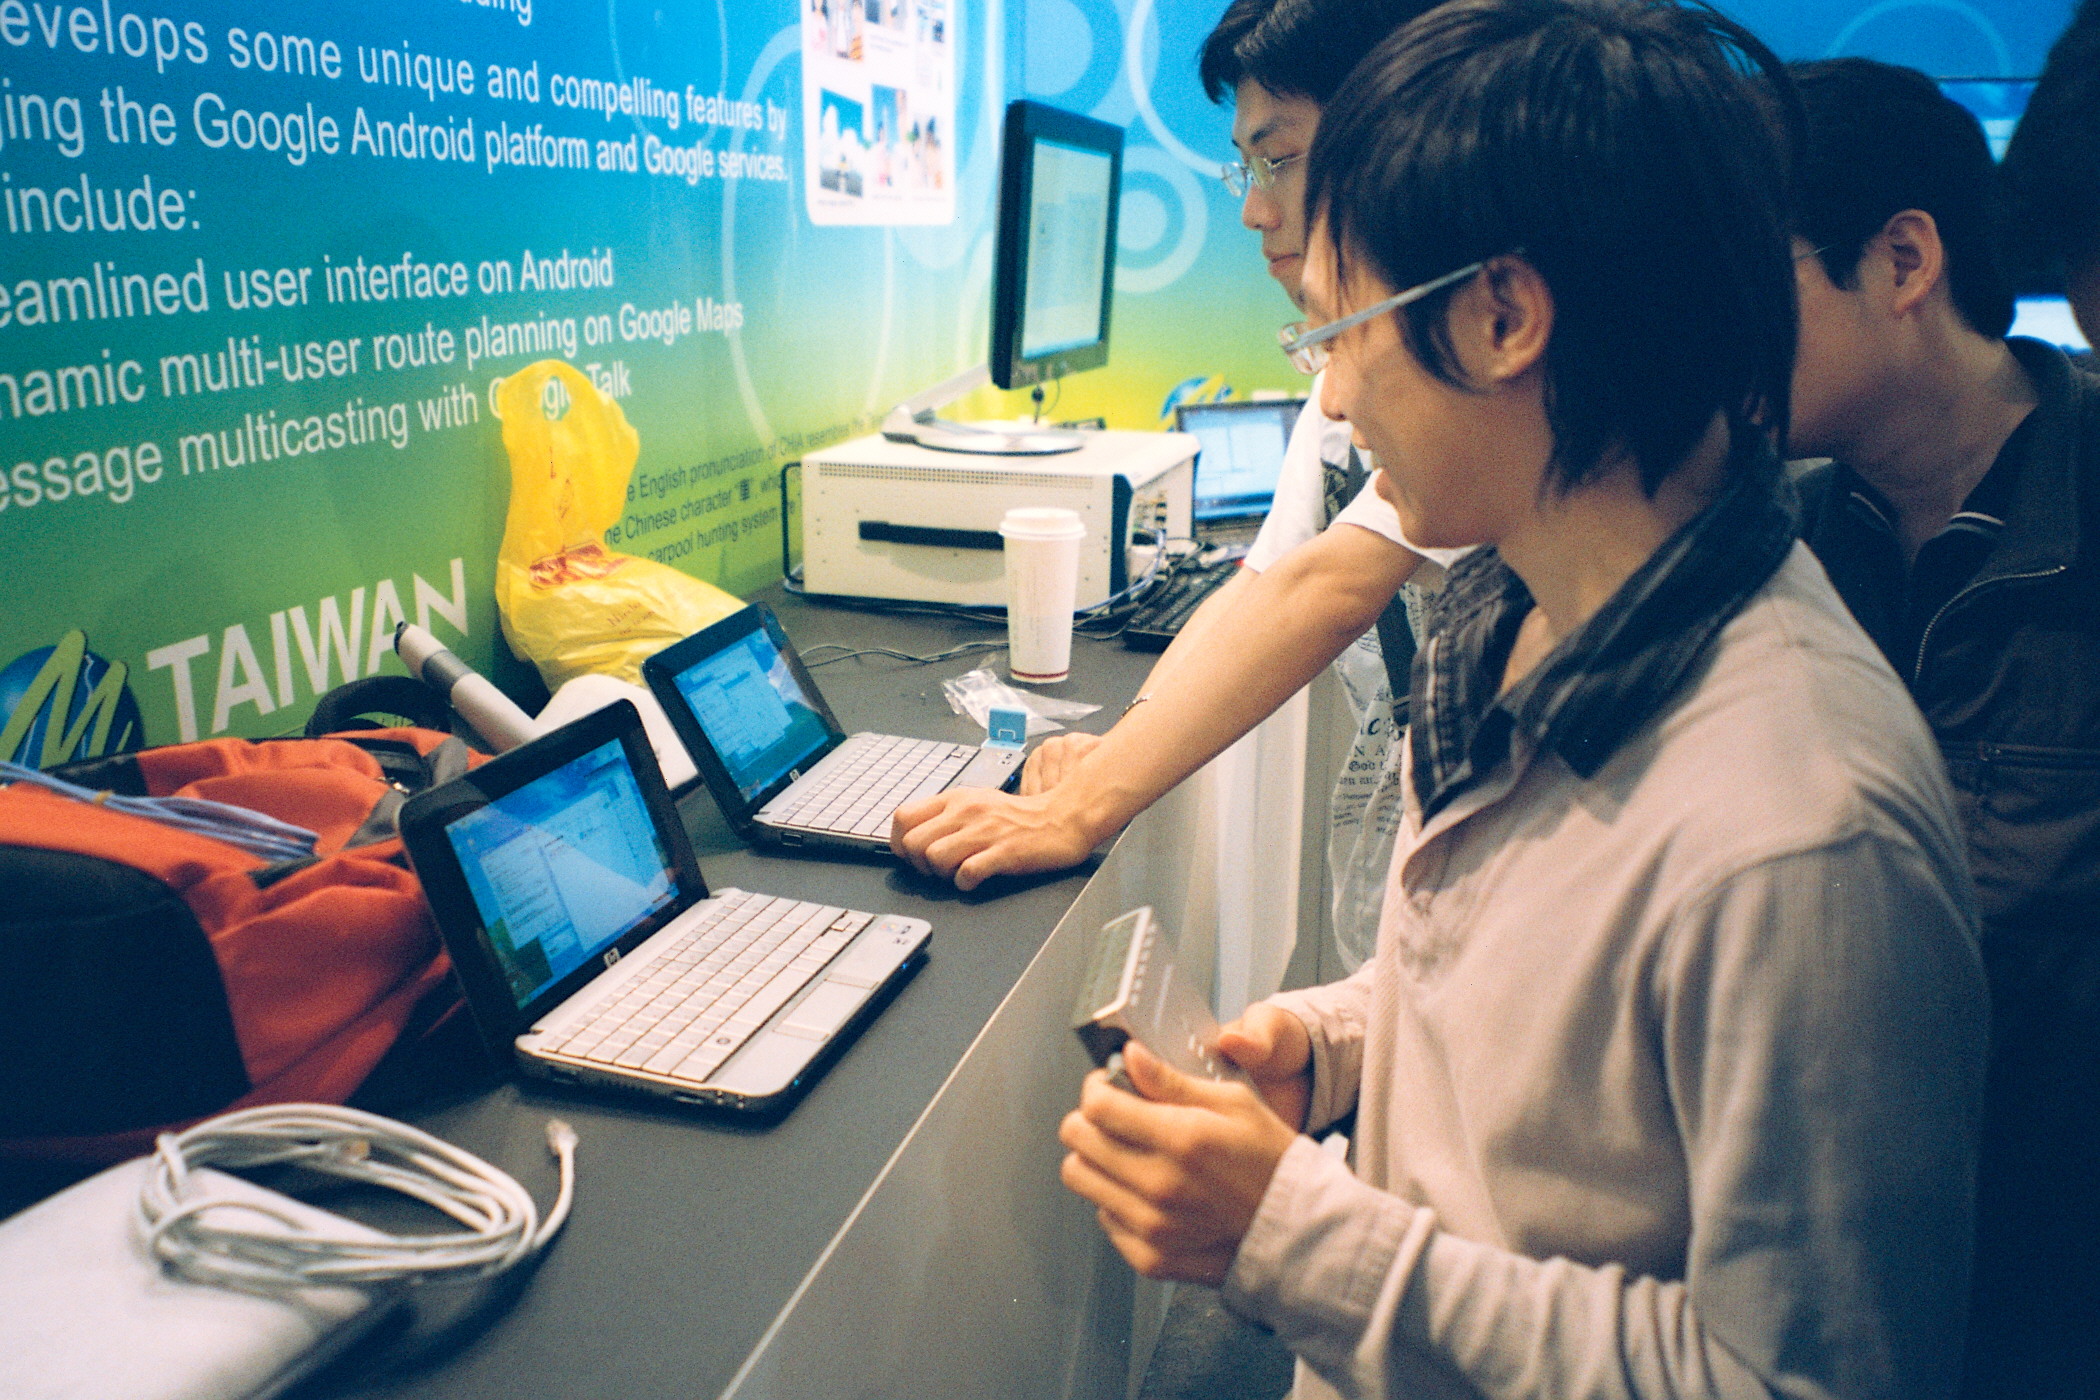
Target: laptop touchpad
(766, 1066)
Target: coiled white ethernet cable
(252, 1247)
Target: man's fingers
(1148, 1239)
(1166, 1128)
(1141, 1177)
(1246, 1047)
(1086, 1177)
(1267, 1042)
(1162, 1083)
(978, 868)
(1156, 1211)
(916, 824)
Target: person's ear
(1502, 321)
(1917, 258)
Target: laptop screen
(1242, 447)
(563, 867)
(753, 711)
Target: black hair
(1883, 139)
(1626, 150)
(1296, 48)
(2052, 168)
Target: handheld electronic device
(1133, 990)
(777, 762)
(591, 950)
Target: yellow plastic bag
(570, 605)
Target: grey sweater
(1667, 1080)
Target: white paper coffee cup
(1042, 587)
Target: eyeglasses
(1258, 173)
(1306, 345)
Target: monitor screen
(2050, 319)
(1068, 197)
(563, 867)
(1240, 455)
(1053, 272)
(753, 711)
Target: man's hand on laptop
(971, 834)
(1053, 760)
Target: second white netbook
(777, 762)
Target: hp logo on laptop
(612, 955)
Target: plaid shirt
(1600, 686)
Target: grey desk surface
(689, 1234)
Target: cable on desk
(848, 651)
(248, 1246)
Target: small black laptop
(1238, 463)
(1241, 444)
(777, 762)
(591, 950)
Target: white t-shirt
(1364, 812)
(1300, 509)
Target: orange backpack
(155, 976)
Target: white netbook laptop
(591, 950)
(777, 762)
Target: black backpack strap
(400, 697)
(1396, 638)
(410, 772)
(1396, 644)
(117, 773)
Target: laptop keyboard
(731, 970)
(868, 781)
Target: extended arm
(1057, 757)
(1290, 622)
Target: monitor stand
(914, 421)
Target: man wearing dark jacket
(1960, 521)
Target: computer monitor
(1053, 274)
(1996, 103)
(1053, 279)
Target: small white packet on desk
(976, 693)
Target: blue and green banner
(263, 267)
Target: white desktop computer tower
(883, 519)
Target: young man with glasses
(1667, 1066)
(1307, 596)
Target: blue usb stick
(1006, 729)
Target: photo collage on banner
(878, 106)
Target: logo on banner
(64, 703)
(554, 400)
(1204, 388)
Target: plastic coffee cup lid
(1042, 523)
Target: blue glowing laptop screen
(563, 867)
(1241, 456)
(753, 712)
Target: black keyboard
(1159, 619)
